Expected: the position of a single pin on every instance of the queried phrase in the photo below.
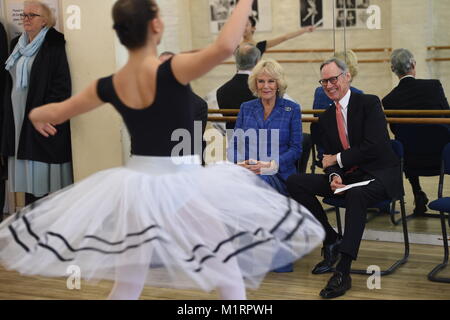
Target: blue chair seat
(441, 204)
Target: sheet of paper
(349, 186)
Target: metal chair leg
(313, 159)
(432, 276)
(404, 259)
(338, 220)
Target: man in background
(236, 91)
(414, 94)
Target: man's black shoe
(336, 286)
(331, 255)
(420, 201)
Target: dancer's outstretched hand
(45, 128)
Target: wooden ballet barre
(389, 120)
(438, 59)
(398, 112)
(386, 112)
(327, 50)
(315, 50)
(318, 61)
(438, 48)
(287, 61)
(419, 120)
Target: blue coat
(286, 117)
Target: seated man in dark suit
(356, 148)
(236, 91)
(200, 107)
(413, 94)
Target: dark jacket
(234, 93)
(370, 147)
(3, 75)
(416, 94)
(49, 82)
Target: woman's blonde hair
(272, 69)
(349, 57)
(47, 12)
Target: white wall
(96, 136)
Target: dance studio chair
(339, 202)
(422, 143)
(316, 148)
(307, 146)
(442, 204)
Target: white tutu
(192, 227)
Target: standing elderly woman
(39, 75)
(274, 122)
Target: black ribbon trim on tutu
(286, 215)
(192, 259)
(16, 238)
(100, 250)
(198, 246)
(257, 231)
(203, 260)
(291, 234)
(28, 226)
(250, 246)
(122, 241)
(64, 240)
(61, 258)
(195, 249)
(240, 234)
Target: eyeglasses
(30, 16)
(332, 80)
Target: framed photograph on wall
(311, 13)
(326, 14)
(220, 10)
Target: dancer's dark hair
(131, 19)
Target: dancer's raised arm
(276, 41)
(189, 66)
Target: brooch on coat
(288, 109)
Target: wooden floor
(408, 283)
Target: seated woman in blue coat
(267, 138)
